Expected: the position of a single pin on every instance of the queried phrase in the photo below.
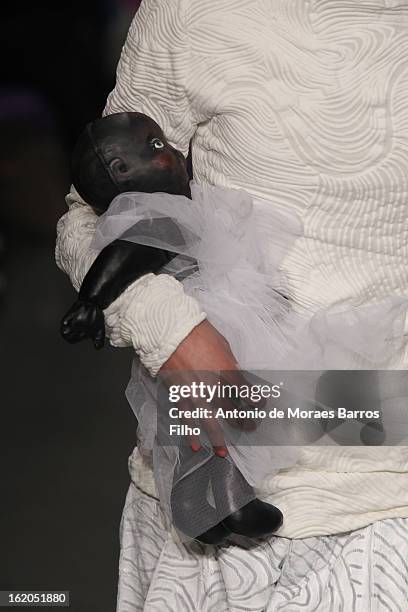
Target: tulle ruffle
(227, 254)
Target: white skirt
(357, 571)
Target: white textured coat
(304, 105)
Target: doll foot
(255, 520)
(214, 536)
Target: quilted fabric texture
(303, 104)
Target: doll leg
(195, 516)
(254, 519)
(192, 513)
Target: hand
(204, 350)
(84, 320)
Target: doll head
(126, 152)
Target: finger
(99, 339)
(73, 338)
(220, 451)
(66, 324)
(210, 425)
(71, 327)
(216, 436)
(98, 344)
(195, 443)
(71, 315)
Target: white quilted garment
(304, 104)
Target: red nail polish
(195, 447)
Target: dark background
(66, 428)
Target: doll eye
(156, 143)
(118, 165)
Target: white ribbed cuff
(153, 315)
(75, 231)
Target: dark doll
(119, 153)
(129, 152)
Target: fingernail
(196, 447)
(222, 452)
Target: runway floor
(66, 433)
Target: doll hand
(84, 320)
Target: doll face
(139, 157)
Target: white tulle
(224, 247)
(228, 255)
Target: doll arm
(115, 268)
(153, 314)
